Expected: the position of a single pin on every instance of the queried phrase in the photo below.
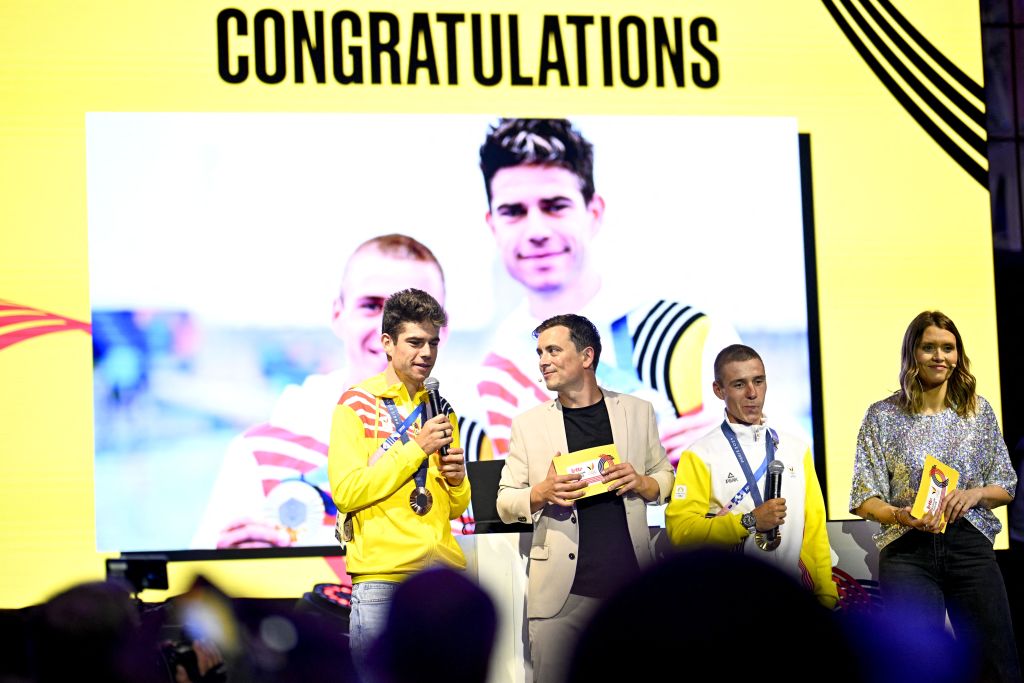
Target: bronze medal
(420, 500)
(761, 539)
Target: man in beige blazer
(583, 550)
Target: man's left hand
(622, 478)
(453, 466)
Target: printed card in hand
(938, 480)
(591, 464)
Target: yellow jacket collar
(378, 386)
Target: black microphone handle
(773, 489)
(433, 406)
(433, 409)
(772, 532)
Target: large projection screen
(213, 263)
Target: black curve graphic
(973, 168)
(951, 93)
(951, 119)
(963, 79)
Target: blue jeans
(955, 572)
(371, 601)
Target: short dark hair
(411, 306)
(734, 353)
(582, 332)
(538, 142)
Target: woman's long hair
(961, 385)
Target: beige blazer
(536, 436)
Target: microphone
(433, 405)
(773, 489)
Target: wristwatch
(749, 522)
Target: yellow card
(937, 481)
(591, 463)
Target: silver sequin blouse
(892, 445)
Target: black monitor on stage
(484, 476)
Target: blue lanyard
(401, 426)
(752, 477)
(400, 433)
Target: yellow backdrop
(900, 225)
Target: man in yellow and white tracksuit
(716, 497)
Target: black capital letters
(223, 54)
(260, 36)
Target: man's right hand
(252, 533)
(434, 434)
(556, 489)
(770, 514)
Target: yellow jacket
(390, 541)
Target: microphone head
(776, 467)
(431, 384)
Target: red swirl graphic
(939, 477)
(20, 323)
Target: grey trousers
(553, 640)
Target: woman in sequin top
(937, 412)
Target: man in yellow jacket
(717, 496)
(388, 472)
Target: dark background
(1002, 38)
